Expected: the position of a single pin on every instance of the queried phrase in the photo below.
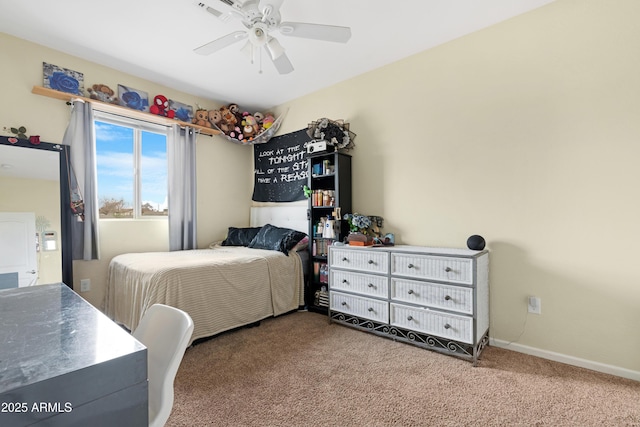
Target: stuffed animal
(160, 107)
(268, 120)
(250, 126)
(235, 110)
(259, 117)
(215, 117)
(201, 118)
(229, 120)
(102, 93)
(236, 133)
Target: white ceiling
(154, 39)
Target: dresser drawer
(450, 326)
(375, 262)
(454, 298)
(448, 269)
(368, 308)
(366, 284)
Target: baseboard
(569, 360)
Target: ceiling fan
(261, 18)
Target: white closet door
(18, 248)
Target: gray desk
(64, 363)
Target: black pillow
(276, 239)
(240, 236)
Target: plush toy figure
(229, 120)
(268, 120)
(215, 117)
(201, 118)
(236, 133)
(102, 93)
(250, 126)
(235, 110)
(259, 118)
(160, 107)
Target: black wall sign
(280, 168)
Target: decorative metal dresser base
(433, 298)
(431, 342)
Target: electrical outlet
(534, 305)
(85, 285)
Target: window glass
(131, 165)
(153, 174)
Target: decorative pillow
(301, 245)
(276, 239)
(240, 236)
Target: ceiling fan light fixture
(274, 48)
(258, 35)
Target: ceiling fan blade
(282, 63)
(330, 33)
(221, 43)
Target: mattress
(220, 288)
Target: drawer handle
(447, 297)
(345, 258)
(345, 281)
(447, 326)
(410, 266)
(344, 303)
(409, 318)
(371, 261)
(371, 285)
(370, 309)
(410, 291)
(448, 269)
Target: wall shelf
(119, 109)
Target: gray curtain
(181, 154)
(80, 136)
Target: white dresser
(437, 298)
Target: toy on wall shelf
(103, 93)
(215, 117)
(201, 118)
(160, 107)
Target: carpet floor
(299, 370)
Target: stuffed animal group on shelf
(242, 126)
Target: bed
(222, 288)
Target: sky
(114, 154)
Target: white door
(18, 248)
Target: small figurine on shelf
(103, 93)
(201, 118)
(160, 107)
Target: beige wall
(40, 197)
(224, 183)
(528, 134)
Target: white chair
(165, 331)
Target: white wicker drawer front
(454, 298)
(449, 269)
(375, 262)
(368, 308)
(366, 284)
(451, 326)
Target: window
(131, 161)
